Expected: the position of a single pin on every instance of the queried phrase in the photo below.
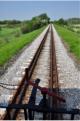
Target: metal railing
(30, 109)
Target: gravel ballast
(16, 71)
(68, 74)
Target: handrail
(40, 109)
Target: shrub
(78, 31)
(17, 34)
(7, 40)
(35, 23)
(24, 29)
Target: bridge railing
(43, 110)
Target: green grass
(7, 34)
(74, 27)
(13, 47)
(5, 31)
(71, 38)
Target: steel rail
(20, 93)
(53, 110)
(53, 82)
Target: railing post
(44, 104)
(32, 99)
(25, 113)
(72, 116)
(8, 114)
(30, 115)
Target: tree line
(35, 23)
(28, 25)
(62, 21)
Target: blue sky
(22, 10)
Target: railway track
(41, 72)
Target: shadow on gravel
(72, 97)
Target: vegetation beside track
(15, 34)
(73, 24)
(17, 43)
(72, 39)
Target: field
(74, 28)
(71, 38)
(12, 40)
(8, 34)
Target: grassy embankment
(8, 34)
(10, 45)
(72, 39)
